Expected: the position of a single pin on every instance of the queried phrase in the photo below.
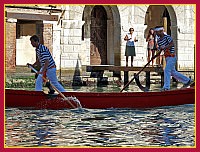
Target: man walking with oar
(48, 66)
(166, 44)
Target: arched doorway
(162, 15)
(166, 21)
(113, 28)
(158, 15)
(98, 36)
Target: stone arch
(173, 27)
(150, 18)
(113, 31)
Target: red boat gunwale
(96, 100)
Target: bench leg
(148, 79)
(117, 74)
(162, 79)
(126, 77)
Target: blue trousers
(51, 75)
(171, 71)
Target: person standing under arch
(150, 45)
(130, 46)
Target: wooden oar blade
(60, 93)
(54, 102)
(145, 89)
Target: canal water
(156, 127)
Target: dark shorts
(130, 51)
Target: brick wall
(44, 32)
(10, 58)
(48, 36)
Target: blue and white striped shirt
(166, 40)
(44, 54)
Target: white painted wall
(73, 48)
(25, 53)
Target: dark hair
(131, 29)
(35, 38)
(150, 30)
(149, 33)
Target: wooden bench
(101, 68)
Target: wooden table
(101, 68)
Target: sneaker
(51, 91)
(187, 84)
(164, 89)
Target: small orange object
(168, 54)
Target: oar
(140, 71)
(53, 87)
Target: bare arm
(126, 38)
(36, 63)
(45, 66)
(147, 39)
(168, 46)
(135, 40)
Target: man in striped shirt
(47, 64)
(165, 43)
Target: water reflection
(166, 126)
(116, 88)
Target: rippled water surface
(166, 126)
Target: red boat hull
(94, 100)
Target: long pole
(54, 88)
(140, 71)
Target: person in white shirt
(130, 46)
